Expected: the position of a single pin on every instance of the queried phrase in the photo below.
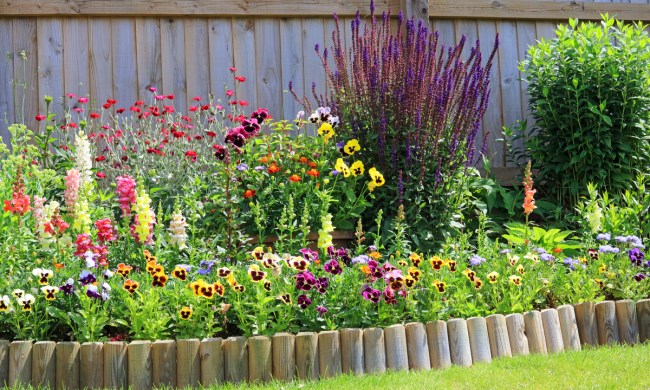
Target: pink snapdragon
(126, 192)
(106, 232)
(71, 193)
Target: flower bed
(309, 355)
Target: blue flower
(476, 260)
(636, 256)
(546, 257)
(361, 259)
(608, 249)
(206, 267)
(604, 237)
(260, 168)
(242, 167)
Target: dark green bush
(590, 97)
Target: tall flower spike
(529, 192)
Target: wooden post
(628, 328)
(4, 363)
(479, 340)
(329, 354)
(163, 363)
(260, 358)
(188, 363)
(459, 349)
(586, 320)
(569, 328)
(374, 350)
(352, 351)
(535, 332)
(20, 364)
(139, 373)
(307, 355)
(417, 346)
(498, 334)
(606, 321)
(396, 355)
(67, 365)
(43, 364)
(419, 9)
(91, 366)
(235, 357)
(642, 314)
(517, 334)
(284, 356)
(552, 331)
(212, 372)
(438, 341)
(115, 365)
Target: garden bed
(310, 355)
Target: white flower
(83, 160)
(89, 256)
(177, 235)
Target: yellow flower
(371, 186)
(520, 269)
(185, 313)
(4, 303)
(415, 259)
(342, 167)
(440, 285)
(415, 273)
(512, 259)
(357, 168)
(258, 253)
(516, 280)
(376, 177)
(493, 276)
(471, 275)
(602, 269)
(375, 255)
(326, 131)
(352, 146)
(49, 292)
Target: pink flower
(83, 100)
(105, 230)
(40, 117)
(83, 243)
(126, 192)
(71, 193)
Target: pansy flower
(451, 264)
(17, 293)
(371, 294)
(43, 274)
(470, 274)
(223, 272)
(439, 285)
(285, 297)
(123, 269)
(180, 273)
(376, 179)
(402, 263)
(298, 263)
(351, 147)
(478, 283)
(342, 167)
(410, 281)
(515, 279)
(239, 288)
(131, 286)
(415, 273)
(49, 292)
(520, 269)
(600, 283)
(303, 301)
(185, 313)
(206, 290)
(255, 273)
(436, 263)
(267, 285)
(26, 302)
(512, 259)
(67, 287)
(415, 259)
(196, 287)
(326, 131)
(602, 269)
(258, 253)
(159, 279)
(593, 253)
(4, 303)
(333, 267)
(492, 277)
(86, 277)
(219, 289)
(639, 277)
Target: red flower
(241, 79)
(211, 134)
(229, 92)
(40, 117)
(205, 107)
(295, 178)
(314, 173)
(193, 108)
(134, 109)
(170, 97)
(138, 103)
(120, 110)
(191, 154)
(100, 158)
(197, 98)
(249, 193)
(100, 175)
(273, 168)
(94, 115)
(106, 106)
(243, 103)
(233, 69)
(111, 101)
(83, 100)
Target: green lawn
(602, 368)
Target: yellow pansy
(351, 147)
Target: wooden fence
(117, 49)
(308, 355)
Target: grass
(619, 367)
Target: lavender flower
(546, 257)
(361, 259)
(621, 239)
(476, 260)
(242, 167)
(205, 267)
(608, 249)
(604, 237)
(260, 168)
(571, 263)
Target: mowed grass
(619, 367)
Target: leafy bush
(590, 97)
(415, 106)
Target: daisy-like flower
(50, 292)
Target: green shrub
(590, 97)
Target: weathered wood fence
(117, 49)
(308, 355)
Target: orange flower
(130, 286)
(123, 269)
(273, 168)
(295, 178)
(249, 193)
(365, 269)
(59, 265)
(557, 250)
(529, 200)
(314, 173)
(303, 160)
(264, 160)
(312, 164)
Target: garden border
(310, 355)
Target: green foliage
(590, 97)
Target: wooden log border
(308, 355)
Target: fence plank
(221, 55)
(352, 351)
(6, 75)
(417, 346)
(479, 340)
(606, 321)
(149, 58)
(307, 356)
(374, 351)
(235, 355)
(284, 356)
(76, 66)
(67, 365)
(115, 365)
(91, 373)
(569, 327)
(101, 60)
(43, 364)
(313, 32)
(291, 43)
(586, 320)
(50, 63)
(438, 341)
(260, 358)
(517, 334)
(172, 39)
(188, 363)
(197, 64)
(211, 362)
(20, 364)
(418, 9)
(139, 356)
(4, 363)
(493, 118)
(510, 98)
(628, 329)
(269, 66)
(535, 332)
(25, 71)
(552, 331)
(459, 347)
(396, 354)
(243, 37)
(643, 315)
(498, 334)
